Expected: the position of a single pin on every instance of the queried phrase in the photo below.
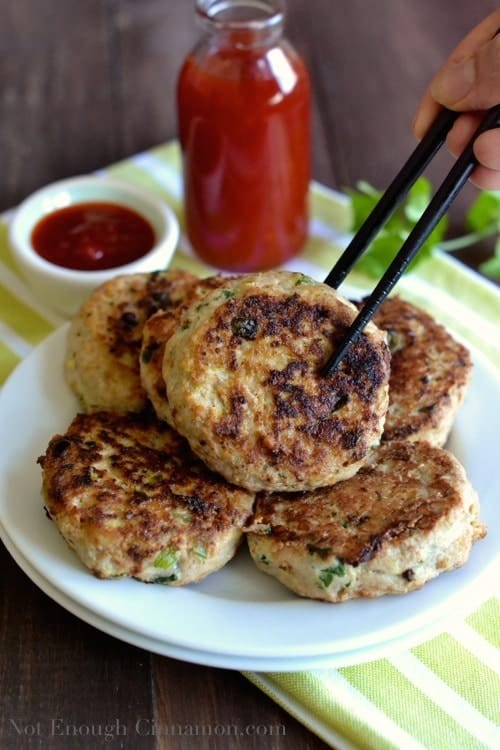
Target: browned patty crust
(105, 337)
(408, 515)
(430, 373)
(245, 383)
(156, 332)
(130, 498)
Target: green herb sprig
(481, 221)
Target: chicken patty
(105, 336)
(156, 332)
(430, 374)
(408, 515)
(245, 384)
(129, 497)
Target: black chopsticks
(444, 196)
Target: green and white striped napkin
(442, 694)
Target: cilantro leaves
(482, 220)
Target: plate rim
(294, 603)
(214, 659)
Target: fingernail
(454, 82)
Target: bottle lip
(213, 11)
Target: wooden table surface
(84, 83)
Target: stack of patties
(105, 338)
(124, 489)
(353, 496)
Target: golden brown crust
(105, 336)
(246, 389)
(408, 515)
(430, 373)
(129, 496)
(157, 331)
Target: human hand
(469, 82)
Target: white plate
(238, 612)
(270, 664)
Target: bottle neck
(243, 23)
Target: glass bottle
(243, 100)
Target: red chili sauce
(92, 236)
(245, 133)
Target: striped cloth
(415, 698)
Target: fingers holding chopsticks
(469, 82)
(470, 78)
(486, 149)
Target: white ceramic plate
(269, 664)
(238, 612)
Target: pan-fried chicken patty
(156, 332)
(408, 515)
(105, 336)
(245, 385)
(430, 373)
(129, 497)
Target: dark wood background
(84, 83)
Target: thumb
(471, 83)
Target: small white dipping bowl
(65, 289)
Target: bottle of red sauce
(244, 127)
